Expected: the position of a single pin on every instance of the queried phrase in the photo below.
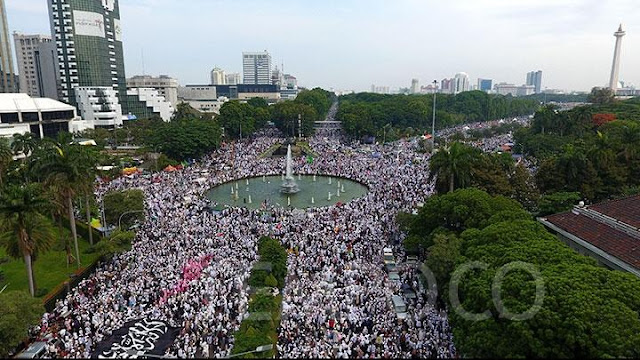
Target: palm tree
(630, 141)
(64, 167)
(6, 157)
(453, 165)
(23, 143)
(24, 230)
(89, 161)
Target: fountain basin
(311, 194)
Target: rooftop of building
(18, 102)
(612, 226)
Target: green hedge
(261, 326)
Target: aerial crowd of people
(189, 265)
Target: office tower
(615, 68)
(534, 78)
(415, 86)
(461, 83)
(256, 68)
(447, 86)
(218, 77)
(233, 79)
(47, 69)
(7, 74)
(89, 42)
(37, 65)
(485, 84)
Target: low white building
(208, 106)
(166, 86)
(21, 114)
(151, 99)
(99, 105)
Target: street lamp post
(433, 123)
(125, 213)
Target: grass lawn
(50, 268)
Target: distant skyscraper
(256, 68)
(615, 68)
(461, 83)
(415, 86)
(30, 66)
(485, 84)
(218, 77)
(447, 86)
(7, 74)
(89, 41)
(534, 78)
(233, 79)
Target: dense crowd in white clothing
(336, 298)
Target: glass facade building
(88, 39)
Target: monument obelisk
(615, 69)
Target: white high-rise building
(256, 68)
(415, 86)
(461, 83)
(233, 79)
(615, 68)
(218, 77)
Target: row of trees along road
(245, 118)
(39, 188)
(367, 114)
(587, 311)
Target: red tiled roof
(612, 241)
(626, 210)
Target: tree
(18, 312)
(558, 202)
(188, 138)
(25, 232)
(458, 211)
(257, 102)
(6, 158)
(237, 119)
(601, 96)
(23, 144)
(89, 160)
(442, 258)
(63, 168)
(320, 100)
(117, 203)
(285, 116)
(601, 119)
(452, 166)
(570, 322)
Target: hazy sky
(351, 44)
